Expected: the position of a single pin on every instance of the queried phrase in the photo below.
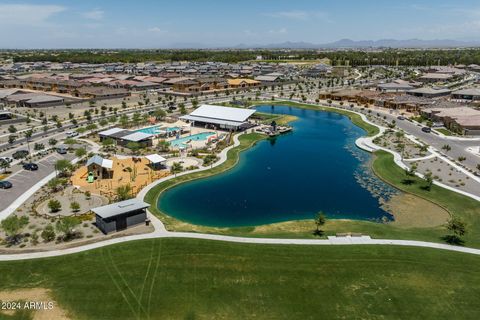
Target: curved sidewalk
(159, 233)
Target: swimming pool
(181, 142)
(157, 130)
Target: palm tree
(124, 192)
(28, 134)
(447, 148)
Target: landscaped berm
(200, 279)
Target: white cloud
(27, 14)
(95, 14)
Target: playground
(134, 171)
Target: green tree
(136, 118)
(63, 166)
(12, 129)
(458, 229)
(429, 180)
(124, 120)
(124, 192)
(67, 226)
(13, 226)
(4, 164)
(75, 206)
(48, 234)
(80, 152)
(91, 127)
(11, 139)
(134, 146)
(54, 184)
(108, 142)
(54, 205)
(176, 168)
(320, 220)
(52, 142)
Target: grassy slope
(198, 279)
(457, 204)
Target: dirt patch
(297, 226)
(412, 211)
(23, 299)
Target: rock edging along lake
(317, 167)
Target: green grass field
(457, 204)
(198, 279)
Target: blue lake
(315, 168)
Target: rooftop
(119, 208)
(102, 162)
(137, 136)
(223, 113)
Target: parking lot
(23, 180)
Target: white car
(7, 159)
(71, 134)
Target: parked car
(6, 159)
(20, 154)
(401, 118)
(62, 150)
(427, 129)
(4, 184)
(30, 166)
(71, 134)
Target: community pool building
(219, 117)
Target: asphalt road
(458, 147)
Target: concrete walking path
(160, 233)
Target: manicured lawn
(457, 204)
(198, 279)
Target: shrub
(48, 234)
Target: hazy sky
(152, 24)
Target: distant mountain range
(352, 44)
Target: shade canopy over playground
(156, 159)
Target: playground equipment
(91, 177)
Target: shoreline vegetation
(382, 165)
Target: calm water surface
(315, 168)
